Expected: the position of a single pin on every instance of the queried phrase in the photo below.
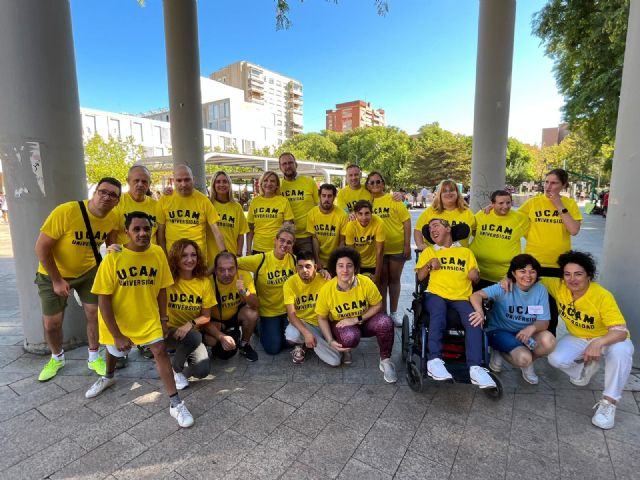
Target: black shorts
(231, 328)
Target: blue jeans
(437, 308)
(272, 333)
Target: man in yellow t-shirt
(136, 200)
(300, 296)
(67, 261)
(302, 193)
(354, 191)
(187, 213)
(452, 269)
(237, 309)
(498, 238)
(366, 235)
(326, 223)
(131, 288)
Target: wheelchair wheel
(415, 378)
(494, 393)
(406, 333)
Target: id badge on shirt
(535, 310)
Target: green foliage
(438, 154)
(519, 163)
(111, 158)
(282, 11)
(310, 146)
(586, 39)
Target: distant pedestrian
(4, 207)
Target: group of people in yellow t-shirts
(180, 275)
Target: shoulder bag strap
(92, 240)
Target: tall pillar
(40, 141)
(621, 255)
(185, 99)
(493, 92)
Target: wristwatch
(194, 324)
(360, 320)
(243, 292)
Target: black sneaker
(122, 362)
(248, 352)
(145, 352)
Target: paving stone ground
(273, 419)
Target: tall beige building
(281, 96)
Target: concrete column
(621, 255)
(493, 92)
(185, 99)
(40, 141)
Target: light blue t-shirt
(517, 309)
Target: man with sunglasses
(67, 261)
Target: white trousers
(324, 352)
(618, 359)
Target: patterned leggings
(379, 326)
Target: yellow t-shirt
(232, 224)
(303, 296)
(454, 217)
(302, 194)
(336, 305)
(497, 241)
(348, 197)
(229, 298)
(548, 237)
(327, 227)
(72, 252)
(127, 205)
(186, 298)
(393, 215)
(267, 216)
(364, 239)
(451, 280)
(134, 280)
(269, 280)
(591, 314)
(187, 217)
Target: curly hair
(175, 255)
(342, 252)
(584, 259)
(437, 200)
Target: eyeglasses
(108, 193)
(375, 182)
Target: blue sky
(417, 62)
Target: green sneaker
(98, 365)
(50, 369)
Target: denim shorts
(503, 340)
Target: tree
(310, 146)
(586, 39)
(438, 154)
(282, 12)
(112, 158)
(519, 163)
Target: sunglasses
(375, 182)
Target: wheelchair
(415, 332)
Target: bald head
(183, 180)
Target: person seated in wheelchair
(518, 319)
(452, 269)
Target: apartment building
(554, 135)
(350, 115)
(279, 96)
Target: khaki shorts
(53, 304)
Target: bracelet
(164, 318)
(243, 292)
(360, 320)
(194, 324)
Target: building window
(207, 140)
(219, 115)
(90, 125)
(248, 146)
(157, 134)
(136, 131)
(114, 128)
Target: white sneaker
(529, 374)
(588, 371)
(495, 363)
(605, 415)
(480, 376)
(181, 380)
(397, 318)
(181, 413)
(437, 370)
(389, 369)
(99, 386)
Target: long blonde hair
(212, 189)
(264, 176)
(437, 201)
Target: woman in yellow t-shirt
(448, 204)
(349, 306)
(189, 303)
(596, 328)
(397, 244)
(267, 213)
(232, 222)
(270, 271)
(366, 235)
